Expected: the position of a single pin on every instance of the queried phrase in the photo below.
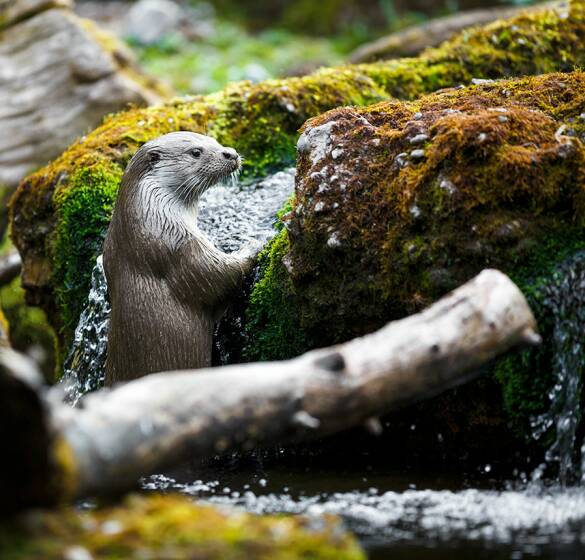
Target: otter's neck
(166, 216)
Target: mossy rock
(398, 203)
(28, 329)
(60, 213)
(162, 527)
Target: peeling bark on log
(413, 40)
(154, 422)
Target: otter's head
(183, 163)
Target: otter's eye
(196, 152)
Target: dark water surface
(401, 514)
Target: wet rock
(149, 21)
(512, 200)
(59, 75)
(419, 139)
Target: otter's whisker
(190, 190)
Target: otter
(167, 283)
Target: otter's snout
(230, 154)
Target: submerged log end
(38, 466)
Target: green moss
(28, 327)
(501, 184)
(261, 121)
(527, 377)
(276, 324)
(84, 212)
(173, 527)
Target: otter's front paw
(249, 253)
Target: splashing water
(564, 301)
(526, 519)
(525, 522)
(230, 215)
(84, 367)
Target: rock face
(398, 203)
(59, 214)
(59, 75)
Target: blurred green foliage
(230, 51)
(232, 54)
(259, 41)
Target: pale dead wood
(154, 422)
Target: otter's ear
(154, 157)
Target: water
(564, 301)
(84, 367)
(231, 215)
(396, 514)
(409, 515)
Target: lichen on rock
(400, 202)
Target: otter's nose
(230, 153)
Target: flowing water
(564, 302)
(408, 514)
(404, 514)
(396, 515)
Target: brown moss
(495, 154)
(378, 230)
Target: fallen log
(152, 423)
(413, 40)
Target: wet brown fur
(167, 284)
